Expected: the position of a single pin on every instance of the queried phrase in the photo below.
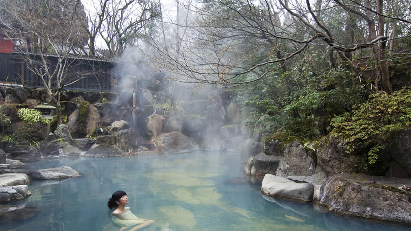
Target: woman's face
(123, 200)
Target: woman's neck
(120, 208)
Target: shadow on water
(192, 191)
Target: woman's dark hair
(114, 198)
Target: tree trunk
(383, 66)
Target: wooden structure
(85, 74)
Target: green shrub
(31, 116)
(30, 132)
(367, 129)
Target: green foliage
(368, 127)
(7, 137)
(166, 107)
(31, 116)
(53, 122)
(33, 133)
(83, 111)
(4, 119)
(299, 102)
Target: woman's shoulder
(117, 212)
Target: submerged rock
(18, 214)
(277, 186)
(365, 196)
(54, 173)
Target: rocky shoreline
(299, 173)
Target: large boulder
(250, 148)
(72, 122)
(12, 179)
(118, 125)
(2, 157)
(126, 140)
(62, 132)
(83, 144)
(173, 122)
(103, 150)
(273, 147)
(297, 161)
(11, 193)
(193, 124)
(399, 148)
(277, 186)
(57, 148)
(333, 159)
(24, 153)
(381, 198)
(54, 173)
(154, 125)
(175, 142)
(262, 164)
(233, 113)
(93, 119)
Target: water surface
(192, 191)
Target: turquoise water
(192, 191)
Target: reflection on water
(193, 191)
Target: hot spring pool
(192, 191)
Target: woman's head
(112, 202)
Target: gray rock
(83, 144)
(19, 214)
(277, 186)
(103, 150)
(12, 193)
(399, 148)
(175, 142)
(273, 147)
(2, 157)
(297, 161)
(106, 139)
(24, 153)
(333, 159)
(381, 198)
(118, 126)
(233, 113)
(262, 164)
(193, 124)
(173, 122)
(72, 122)
(62, 132)
(54, 173)
(93, 119)
(126, 140)
(154, 125)
(12, 179)
(250, 149)
(52, 148)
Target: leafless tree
(118, 23)
(231, 39)
(48, 35)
